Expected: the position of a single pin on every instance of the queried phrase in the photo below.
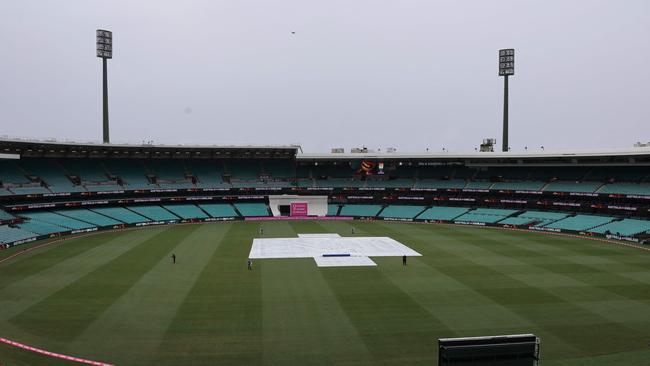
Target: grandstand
(540, 191)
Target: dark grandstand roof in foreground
(36, 148)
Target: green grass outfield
(115, 297)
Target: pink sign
(299, 208)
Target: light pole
(506, 68)
(105, 51)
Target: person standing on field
(403, 260)
(173, 258)
(250, 264)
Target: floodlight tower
(105, 51)
(506, 68)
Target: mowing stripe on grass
(547, 310)
(220, 321)
(141, 316)
(92, 294)
(62, 271)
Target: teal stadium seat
(10, 234)
(360, 210)
(89, 216)
(51, 173)
(486, 215)
(332, 210)
(252, 209)
(542, 217)
(186, 211)
(132, 173)
(442, 213)
(56, 219)
(41, 227)
(5, 215)
(624, 227)
(580, 222)
(209, 173)
(568, 186)
(155, 213)
(516, 221)
(121, 214)
(401, 211)
(478, 185)
(641, 189)
(518, 186)
(440, 184)
(219, 209)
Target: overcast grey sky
(406, 74)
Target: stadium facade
(56, 188)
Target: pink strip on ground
(52, 354)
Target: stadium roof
(51, 148)
(36, 148)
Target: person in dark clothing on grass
(403, 260)
(250, 264)
(173, 258)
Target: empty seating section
(626, 188)
(568, 186)
(542, 217)
(170, 173)
(186, 211)
(88, 170)
(436, 172)
(580, 222)
(478, 185)
(244, 169)
(209, 173)
(41, 227)
(219, 209)
(519, 186)
(57, 219)
(487, 215)
(401, 212)
(442, 213)
(624, 227)
(279, 168)
(121, 214)
(252, 209)
(11, 173)
(440, 184)
(394, 183)
(574, 173)
(10, 234)
(29, 190)
(340, 182)
(5, 215)
(360, 210)
(626, 174)
(89, 216)
(155, 213)
(516, 221)
(132, 173)
(332, 210)
(51, 173)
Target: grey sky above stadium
(404, 74)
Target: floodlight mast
(506, 68)
(105, 51)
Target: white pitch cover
(311, 246)
(344, 261)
